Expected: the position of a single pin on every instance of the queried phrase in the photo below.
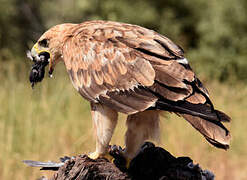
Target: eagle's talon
(120, 160)
(96, 155)
(128, 161)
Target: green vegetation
(53, 120)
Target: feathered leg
(141, 126)
(105, 120)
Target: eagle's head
(48, 50)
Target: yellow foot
(127, 159)
(127, 162)
(96, 155)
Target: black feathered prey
(38, 68)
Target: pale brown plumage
(131, 69)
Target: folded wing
(132, 69)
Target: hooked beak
(36, 53)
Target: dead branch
(150, 163)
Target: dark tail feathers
(203, 118)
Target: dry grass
(53, 120)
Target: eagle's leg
(141, 126)
(104, 120)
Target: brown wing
(105, 70)
(113, 63)
(130, 69)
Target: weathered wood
(83, 167)
(151, 163)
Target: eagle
(127, 68)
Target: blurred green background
(53, 120)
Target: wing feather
(110, 75)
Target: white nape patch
(183, 61)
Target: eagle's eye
(44, 43)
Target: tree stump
(153, 163)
